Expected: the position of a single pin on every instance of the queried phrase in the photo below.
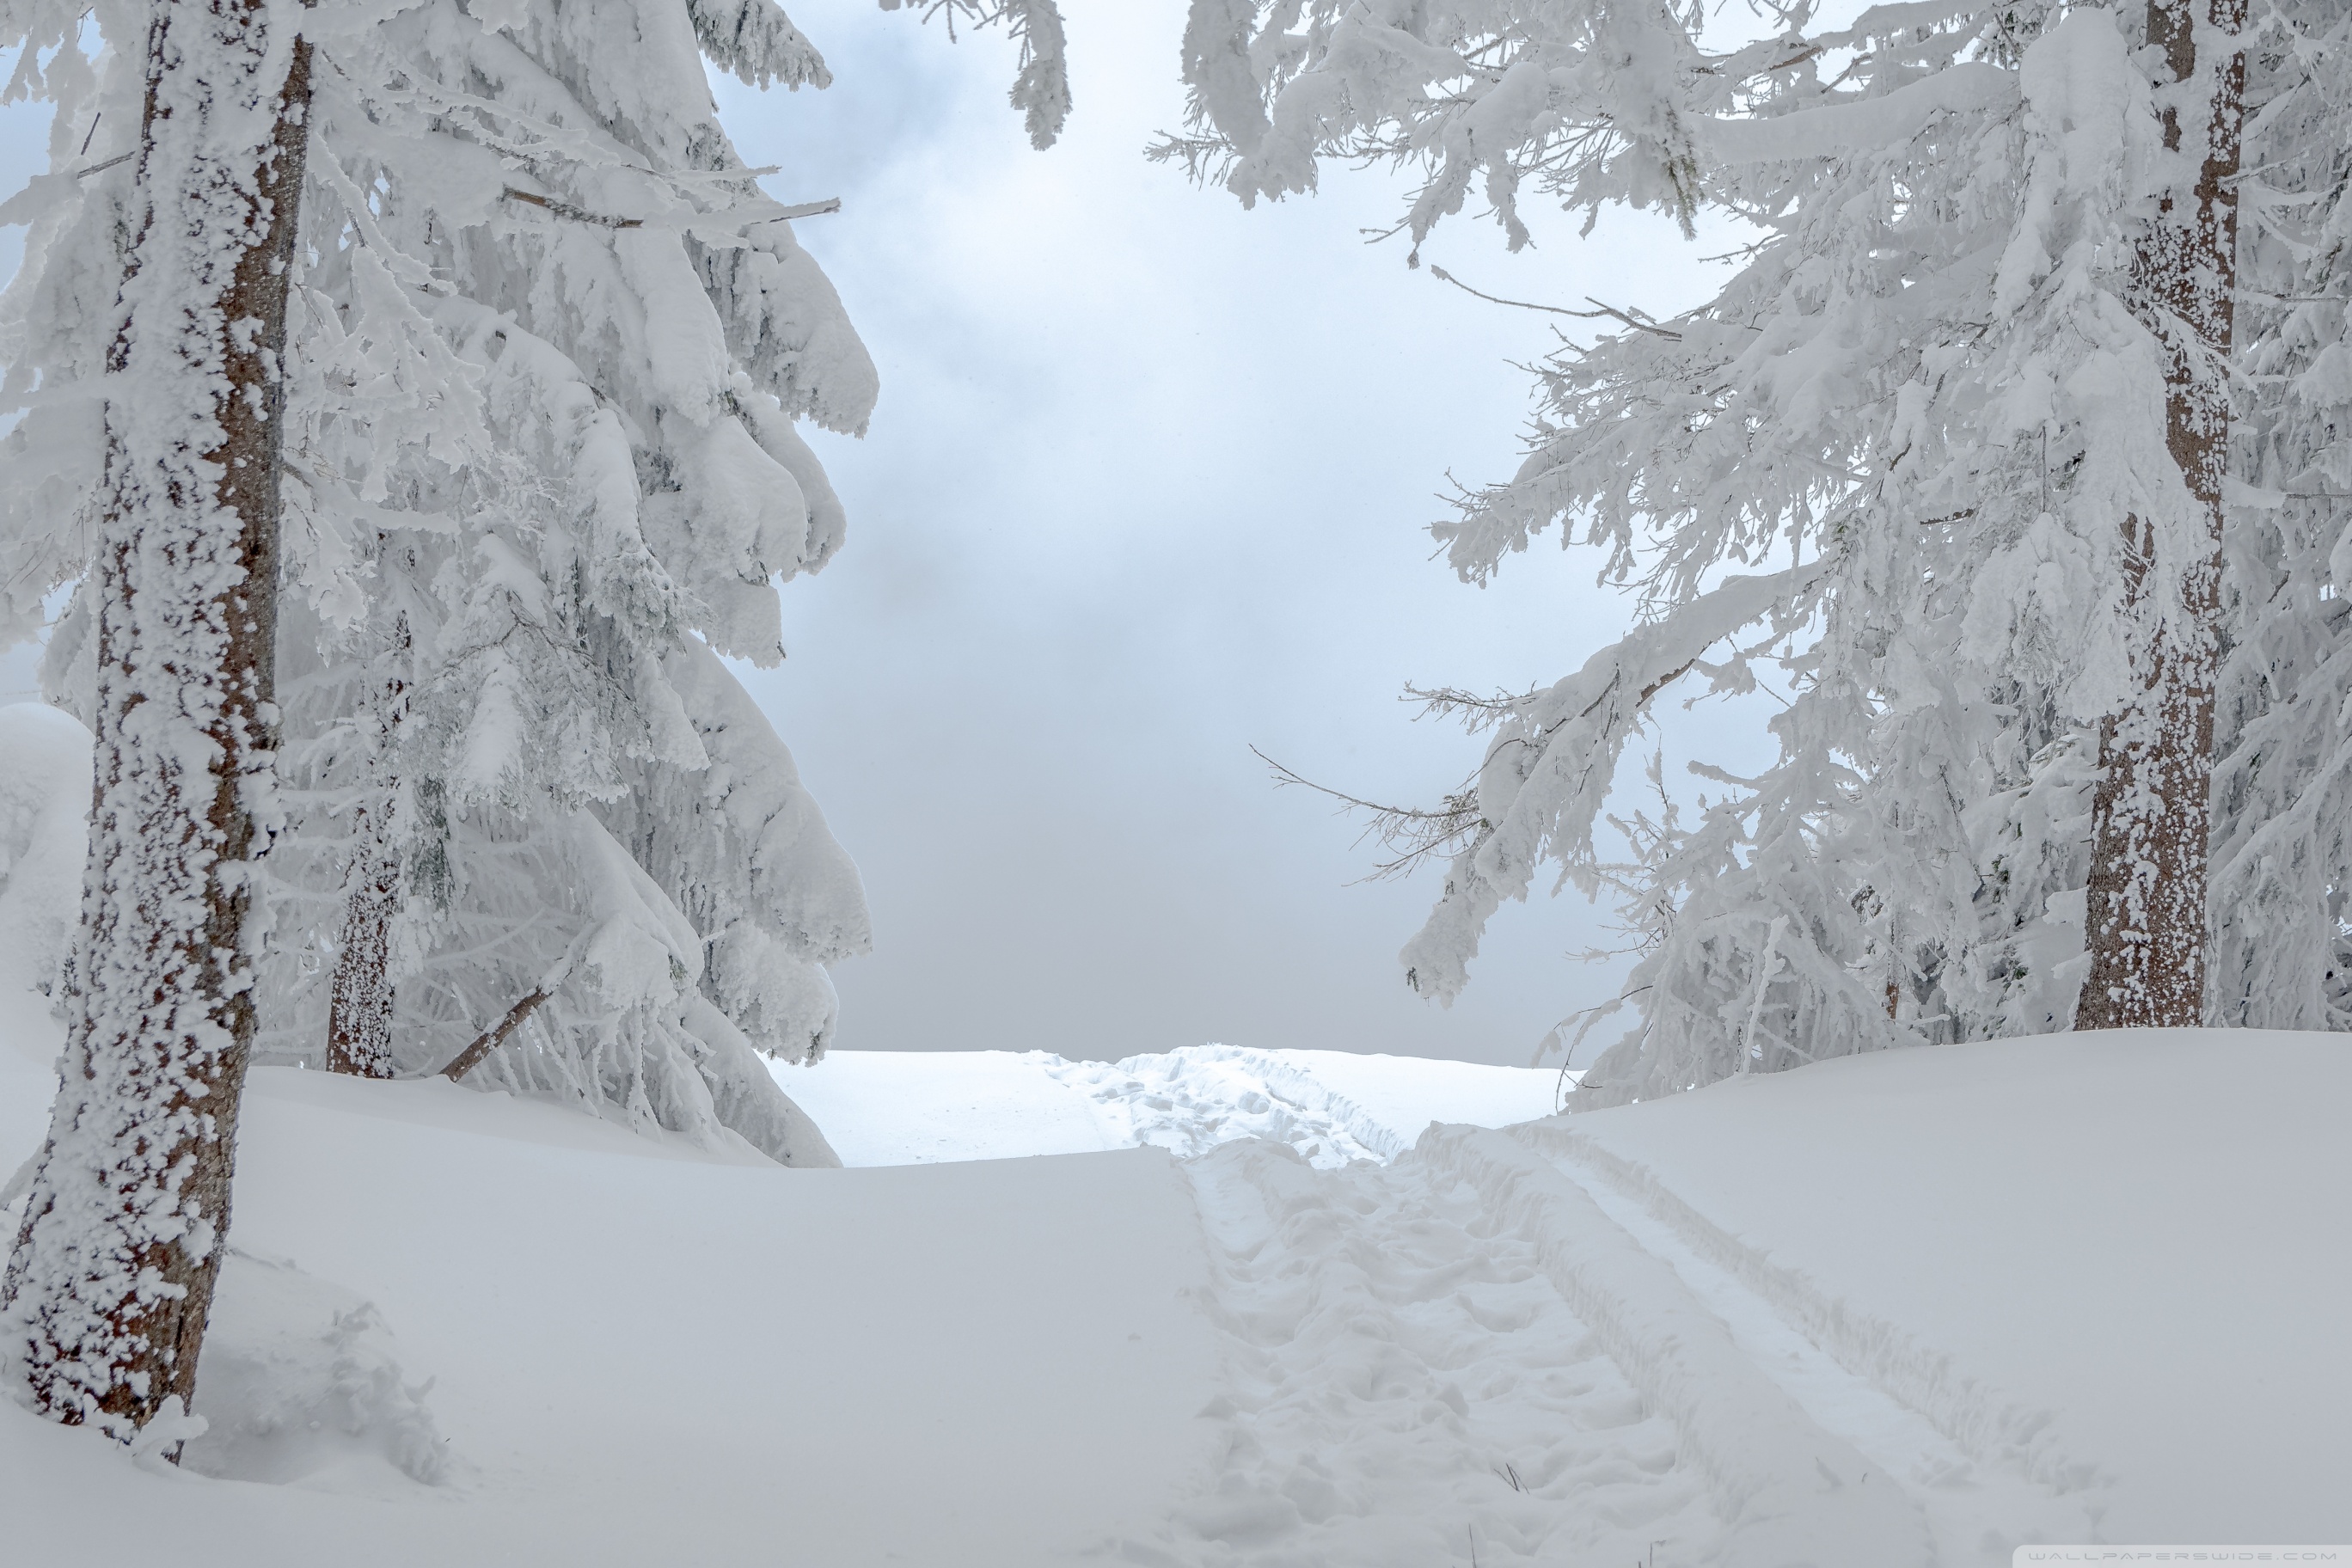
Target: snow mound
(300, 1384)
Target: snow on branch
(1041, 89)
(1553, 761)
(757, 42)
(1886, 121)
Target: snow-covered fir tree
(548, 342)
(1945, 459)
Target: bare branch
(1443, 275)
(577, 215)
(1598, 310)
(1476, 712)
(491, 1039)
(1410, 834)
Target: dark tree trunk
(2151, 811)
(113, 1276)
(358, 1011)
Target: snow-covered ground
(1902, 1310)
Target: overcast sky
(1147, 486)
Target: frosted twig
(577, 215)
(111, 162)
(1597, 312)
(1413, 833)
(1766, 963)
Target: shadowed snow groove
(1992, 1428)
(1979, 1508)
(1458, 1358)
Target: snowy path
(1926, 1308)
(1461, 1357)
(1404, 1388)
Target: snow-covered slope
(637, 1355)
(1905, 1309)
(2116, 1262)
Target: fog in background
(1148, 486)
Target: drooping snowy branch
(1041, 89)
(1553, 762)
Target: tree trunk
(358, 1012)
(2151, 809)
(112, 1275)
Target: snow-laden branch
(1553, 762)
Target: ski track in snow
(1404, 1388)
(1495, 1349)
(1968, 1455)
(1519, 1347)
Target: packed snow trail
(1402, 1389)
(1460, 1357)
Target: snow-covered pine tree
(549, 343)
(2282, 857)
(1929, 450)
(604, 475)
(108, 1287)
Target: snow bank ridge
(301, 1384)
(1991, 1428)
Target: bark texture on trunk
(111, 1279)
(359, 1009)
(2151, 810)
